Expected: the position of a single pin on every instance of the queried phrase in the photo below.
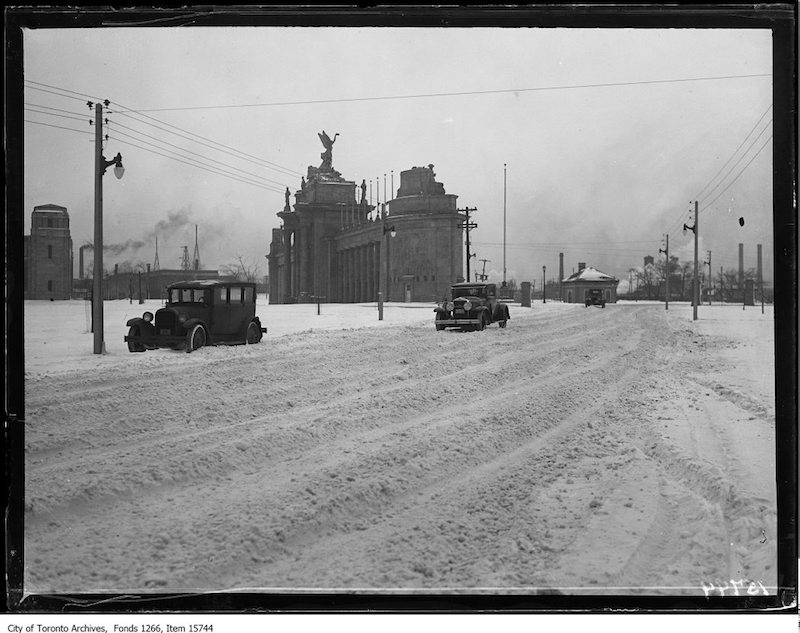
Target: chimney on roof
(581, 266)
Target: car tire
(482, 325)
(132, 345)
(196, 338)
(253, 334)
(502, 324)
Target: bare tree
(242, 270)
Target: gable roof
(590, 274)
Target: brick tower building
(48, 254)
(336, 247)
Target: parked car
(594, 297)
(472, 306)
(198, 313)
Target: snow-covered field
(627, 449)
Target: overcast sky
(599, 173)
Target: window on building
(49, 223)
(49, 251)
(49, 285)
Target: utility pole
(483, 273)
(709, 275)
(666, 286)
(504, 225)
(100, 166)
(467, 225)
(696, 280)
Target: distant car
(198, 313)
(472, 306)
(594, 297)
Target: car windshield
(469, 292)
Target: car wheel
(482, 325)
(132, 345)
(253, 333)
(196, 338)
(502, 323)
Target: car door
(236, 311)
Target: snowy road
(578, 449)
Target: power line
(60, 127)
(740, 173)
(81, 95)
(460, 94)
(44, 107)
(117, 124)
(741, 158)
(761, 118)
(63, 116)
(204, 167)
(57, 93)
(267, 163)
(526, 244)
(129, 110)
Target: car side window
(235, 294)
(249, 295)
(223, 295)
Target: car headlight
(467, 306)
(148, 316)
(450, 306)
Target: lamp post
(100, 166)
(383, 281)
(544, 285)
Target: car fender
(190, 323)
(147, 328)
(500, 312)
(255, 320)
(440, 309)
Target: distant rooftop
(590, 274)
(51, 207)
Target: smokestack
(116, 269)
(759, 270)
(741, 264)
(560, 267)
(196, 250)
(80, 262)
(581, 266)
(148, 269)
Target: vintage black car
(198, 313)
(594, 297)
(472, 306)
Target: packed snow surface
(627, 449)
